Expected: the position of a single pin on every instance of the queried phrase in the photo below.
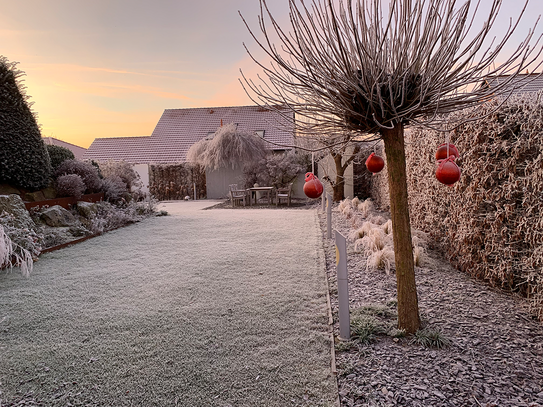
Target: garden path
(200, 308)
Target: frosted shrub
(87, 172)
(123, 170)
(114, 188)
(70, 185)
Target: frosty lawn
(200, 308)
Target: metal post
(313, 163)
(328, 216)
(195, 191)
(342, 287)
(323, 208)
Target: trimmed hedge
(24, 161)
(490, 223)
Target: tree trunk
(339, 186)
(408, 309)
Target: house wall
(327, 167)
(218, 181)
(143, 172)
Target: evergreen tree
(24, 161)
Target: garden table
(265, 190)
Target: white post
(342, 287)
(323, 206)
(328, 216)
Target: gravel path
(221, 308)
(496, 354)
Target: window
(260, 133)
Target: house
(523, 83)
(178, 129)
(78, 151)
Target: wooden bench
(284, 193)
(237, 195)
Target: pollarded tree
(24, 161)
(346, 65)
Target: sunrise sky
(108, 68)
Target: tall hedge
(490, 223)
(24, 161)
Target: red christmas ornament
(441, 153)
(313, 187)
(447, 171)
(374, 163)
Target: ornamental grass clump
(430, 338)
(18, 246)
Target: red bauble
(441, 153)
(447, 171)
(313, 187)
(374, 163)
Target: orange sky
(109, 68)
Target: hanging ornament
(313, 188)
(447, 171)
(442, 154)
(374, 163)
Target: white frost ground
(218, 307)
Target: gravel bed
(495, 355)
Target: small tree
(229, 147)
(347, 67)
(24, 161)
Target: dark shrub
(58, 154)
(85, 170)
(70, 185)
(24, 161)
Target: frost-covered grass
(200, 308)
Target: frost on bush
(489, 223)
(123, 170)
(18, 246)
(70, 185)
(114, 188)
(87, 172)
(275, 169)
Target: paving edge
(330, 316)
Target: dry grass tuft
(387, 227)
(381, 260)
(419, 256)
(365, 207)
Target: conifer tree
(24, 161)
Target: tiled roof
(178, 129)
(523, 83)
(78, 151)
